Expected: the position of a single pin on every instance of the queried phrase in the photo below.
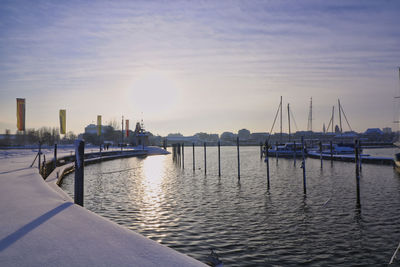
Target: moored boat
(288, 150)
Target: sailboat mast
(333, 115)
(309, 126)
(340, 116)
(288, 114)
(281, 121)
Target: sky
(199, 66)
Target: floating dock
(351, 158)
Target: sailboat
(284, 150)
(340, 148)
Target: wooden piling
(276, 151)
(360, 153)
(261, 151)
(238, 156)
(267, 161)
(55, 156)
(303, 166)
(205, 159)
(294, 153)
(40, 154)
(219, 158)
(331, 146)
(79, 165)
(320, 153)
(357, 174)
(183, 155)
(193, 158)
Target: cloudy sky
(190, 66)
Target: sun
(154, 92)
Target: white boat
(288, 150)
(337, 149)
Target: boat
(337, 149)
(284, 150)
(287, 150)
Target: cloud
(262, 48)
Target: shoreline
(40, 226)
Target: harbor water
(244, 223)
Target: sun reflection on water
(153, 195)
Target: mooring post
(55, 156)
(179, 154)
(238, 156)
(356, 155)
(205, 159)
(39, 153)
(331, 146)
(294, 153)
(360, 154)
(193, 157)
(261, 151)
(303, 166)
(357, 174)
(276, 151)
(183, 155)
(267, 160)
(219, 158)
(320, 152)
(79, 157)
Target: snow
(40, 226)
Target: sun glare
(153, 169)
(154, 92)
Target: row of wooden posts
(178, 154)
(179, 157)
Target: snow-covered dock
(40, 225)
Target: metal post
(219, 158)
(55, 156)
(205, 159)
(303, 166)
(193, 158)
(238, 156)
(267, 160)
(79, 157)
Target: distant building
(387, 130)
(244, 134)
(140, 136)
(259, 137)
(373, 131)
(92, 129)
(227, 136)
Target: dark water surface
(246, 224)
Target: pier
(42, 226)
(351, 158)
